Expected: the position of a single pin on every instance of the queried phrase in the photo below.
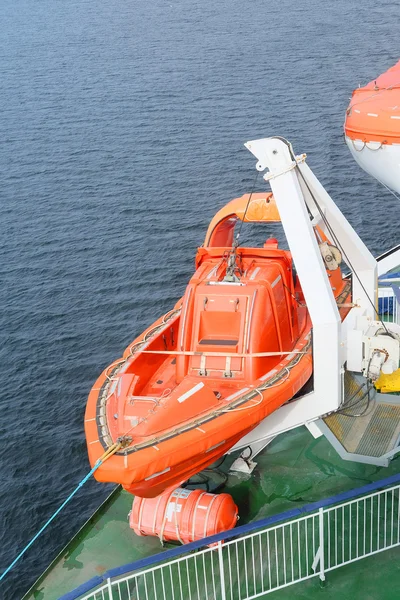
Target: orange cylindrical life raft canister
(183, 515)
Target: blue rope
(39, 533)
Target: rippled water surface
(121, 132)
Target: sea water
(121, 133)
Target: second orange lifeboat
(234, 349)
(372, 127)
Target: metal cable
(236, 242)
(334, 238)
(388, 189)
(364, 412)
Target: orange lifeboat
(372, 127)
(235, 348)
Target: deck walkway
(294, 470)
(374, 578)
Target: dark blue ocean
(121, 132)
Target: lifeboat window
(210, 342)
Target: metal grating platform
(368, 424)
(382, 431)
(374, 434)
(340, 425)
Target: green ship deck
(295, 469)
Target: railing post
(321, 547)
(109, 587)
(221, 571)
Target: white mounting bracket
(245, 464)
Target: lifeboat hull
(382, 165)
(234, 349)
(372, 127)
(169, 462)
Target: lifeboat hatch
(218, 328)
(255, 319)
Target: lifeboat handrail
(377, 92)
(248, 394)
(232, 354)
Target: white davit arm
(312, 192)
(298, 193)
(276, 155)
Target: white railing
(388, 305)
(361, 528)
(261, 562)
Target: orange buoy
(183, 515)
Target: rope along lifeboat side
(372, 127)
(235, 348)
